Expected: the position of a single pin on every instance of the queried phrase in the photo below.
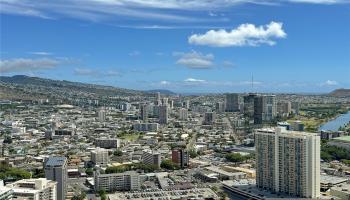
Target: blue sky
(181, 45)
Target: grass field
(130, 137)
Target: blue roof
(56, 161)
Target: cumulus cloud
(164, 83)
(27, 65)
(330, 83)
(193, 80)
(195, 60)
(243, 35)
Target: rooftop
(56, 161)
(326, 179)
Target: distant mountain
(26, 87)
(340, 93)
(162, 91)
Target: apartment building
(288, 162)
(127, 181)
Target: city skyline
(182, 46)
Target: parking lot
(198, 193)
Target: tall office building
(126, 106)
(269, 107)
(158, 101)
(56, 170)
(164, 101)
(209, 118)
(249, 107)
(186, 104)
(231, 102)
(288, 162)
(102, 115)
(220, 107)
(180, 157)
(296, 107)
(155, 111)
(183, 114)
(171, 103)
(144, 112)
(163, 114)
(258, 109)
(284, 108)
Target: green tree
(118, 153)
(102, 194)
(193, 153)
(7, 172)
(7, 140)
(118, 169)
(329, 153)
(146, 168)
(89, 171)
(237, 157)
(347, 162)
(234, 157)
(38, 173)
(168, 164)
(80, 196)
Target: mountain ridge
(27, 87)
(341, 92)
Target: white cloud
(40, 53)
(124, 11)
(84, 72)
(95, 73)
(228, 63)
(195, 60)
(330, 83)
(244, 35)
(193, 80)
(27, 65)
(164, 83)
(318, 1)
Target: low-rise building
(144, 127)
(99, 156)
(127, 181)
(107, 143)
(151, 158)
(34, 189)
(341, 191)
